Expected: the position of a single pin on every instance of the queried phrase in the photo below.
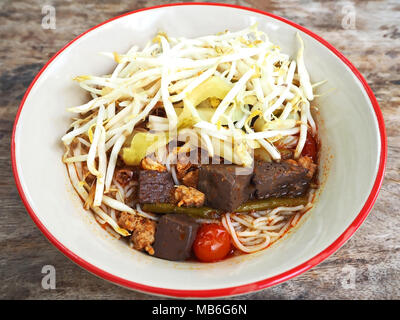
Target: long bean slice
(271, 203)
(210, 213)
(202, 212)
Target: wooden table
(372, 255)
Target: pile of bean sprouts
(263, 82)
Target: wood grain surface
(372, 43)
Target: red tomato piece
(310, 147)
(212, 243)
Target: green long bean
(210, 213)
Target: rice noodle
(256, 231)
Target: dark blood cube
(174, 237)
(226, 186)
(272, 179)
(155, 187)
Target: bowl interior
(348, 131)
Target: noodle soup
(197, 148)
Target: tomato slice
(212, 243)
(310, 147)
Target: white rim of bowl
(235, 290)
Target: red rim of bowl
(241, 289)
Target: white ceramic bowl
(353, 148)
